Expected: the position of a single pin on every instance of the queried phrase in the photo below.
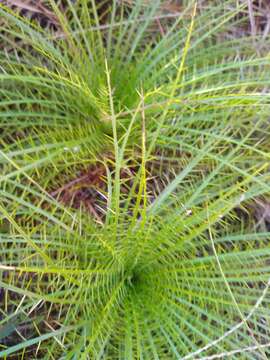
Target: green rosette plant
(175, 114)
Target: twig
(117, 24)
(251, 19)
(160, 27)
(237, 351)
(69, 185)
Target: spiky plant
(178, 272)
